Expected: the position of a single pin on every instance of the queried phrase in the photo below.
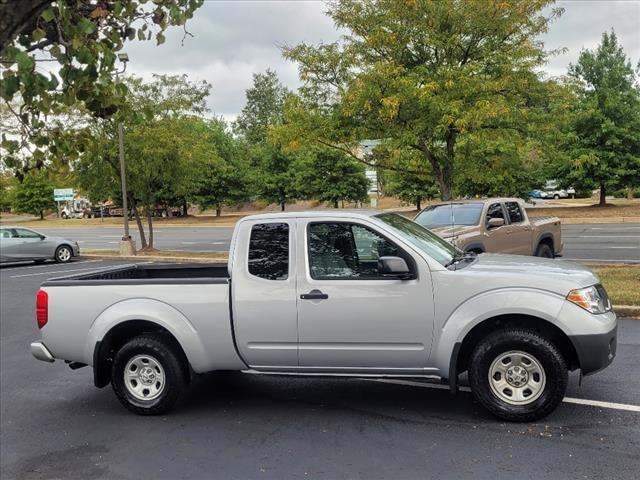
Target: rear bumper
(41, 352)
(595, 352)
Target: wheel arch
(462, 350)
(128, 318)
(475, 247)
(105, 349)
(546, 239)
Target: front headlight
(593, 299)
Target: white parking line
(578, 401)
(603, 236)
(53, 272)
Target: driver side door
(351, 318)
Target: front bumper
(41, 352)
(76, 250)
(595, 352)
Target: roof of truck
(348, 212)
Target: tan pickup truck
(497, 225)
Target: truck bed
(136, 274)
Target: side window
(269, 251)
(24, 233)
(346, 251)
(495, 211)
(515, 214)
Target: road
(605, 242)
(55, 424)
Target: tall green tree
(162, 142)
(78, 41)
(276, 176)
(605, 151)
(329, 175)
(34, 194)
(218, 174)
(422, 75)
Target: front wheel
(148, 374)
(63, 254)
(518, 375)
(544, 251)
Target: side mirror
(42, 237)
(394, 267)
(495, 222)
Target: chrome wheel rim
(517, 378)
(144, 377)
(64, 254)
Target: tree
(162, 143)
(329, 175)
(421, 76)
(220, 174)
(34, 194)
(411, 181)
(82, 39)
(276, 178)
(7, 191)
(605, 151)
(265, 101)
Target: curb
(626, 311)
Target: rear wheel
(544, 250)
(518, 375)
(556, 196)
(149, 374)
(63, 254)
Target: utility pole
(127, 244)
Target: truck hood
(455, 230)
(519, 270)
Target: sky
(234, 39)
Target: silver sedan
(18, 244)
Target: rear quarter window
(269, 251)
(514, 212)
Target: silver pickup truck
(343, 293)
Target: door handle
(314, 295)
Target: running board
(431, 378)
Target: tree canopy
(78, 42)
(604, 148)
(422, 76)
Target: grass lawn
(621, 281)
(616, 208)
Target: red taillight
(42, 308)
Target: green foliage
(34, 194)
(605, 147)
(217, 172)
(422, 76)
(7, 191)
(82, 39)
(411, 181)
(276, 177)
(265, 101)
(329, 175)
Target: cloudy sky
(233, 39)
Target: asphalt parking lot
(55, 424)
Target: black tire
(544, 251)
(556, 197)
(168, 354)
(64, 215)
(63, 254)
(534, 344)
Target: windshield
(450, 214)
(421, 238)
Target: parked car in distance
(342, 293)
(496, 225)
(19, 244)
